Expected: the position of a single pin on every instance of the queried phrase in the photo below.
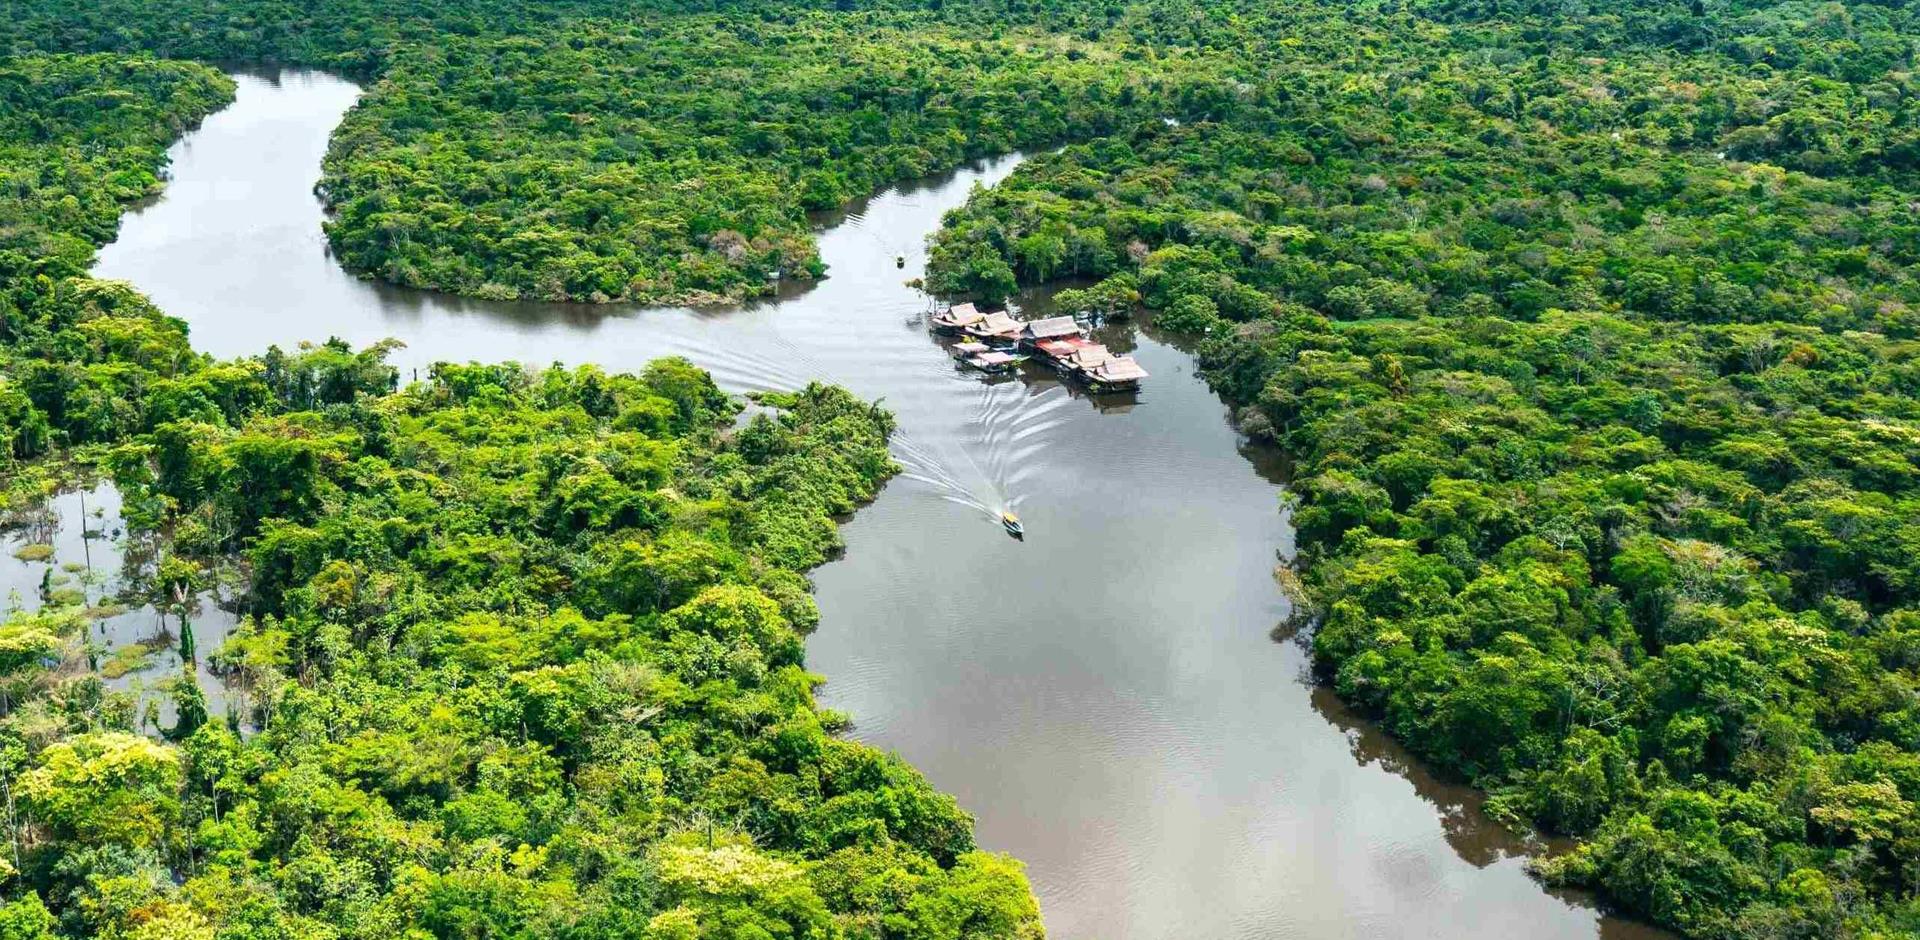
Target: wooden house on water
(999, 329)
(1097, 366)
(1115, 374)
(1085, 356)
(1051, 328)
(1058, 351)
(956, 318)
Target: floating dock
(1091, 363)
(1060, 342)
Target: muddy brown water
(1104, 696)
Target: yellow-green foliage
(1592, 339)
(513, 637)
(105, 788)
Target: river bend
(1104, 697)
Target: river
(1105, 696)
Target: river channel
(1104, 696)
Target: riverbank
(1103, 697)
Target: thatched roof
(1119, 369)
(1089, 356)
(1052, 327)
(995, 324)
(958, 315)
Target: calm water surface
(77, 550)
(1105, 696)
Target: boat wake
(1015, 429)
(922, 466)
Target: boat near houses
(1060, 342)
(985, 358)
(995, 362)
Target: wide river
(1105, 696)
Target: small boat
(1012, 523)
(992, 362)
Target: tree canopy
(1592, 338)
(1590, 329)
(522, 649)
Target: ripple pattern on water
(1103, 696)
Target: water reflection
(1474, 836)
(75, 553)
(1102, 695)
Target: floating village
(996, 342)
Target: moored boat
(993, 360)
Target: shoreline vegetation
(522, 649)
(1595, 353)
(1592, 332)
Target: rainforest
(1589, 335)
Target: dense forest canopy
(604, 152)
(522, 653)
(675, 160)
(80, 137)
(1597, 343)
(1593, 330)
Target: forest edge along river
(1103, 696)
